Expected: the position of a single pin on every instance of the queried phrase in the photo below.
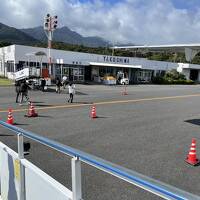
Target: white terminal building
(83, 67)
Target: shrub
(3, 77)
(172, 77)
(162, 80)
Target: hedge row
(162, 80)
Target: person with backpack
(24, 91)
(17, 89)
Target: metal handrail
(161, 189)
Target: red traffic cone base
(10, 119)
(31, 111)
(191, 158)
(93, 113)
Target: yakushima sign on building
(115, 59)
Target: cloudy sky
(136, 21)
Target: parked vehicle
(121, 79)
(27, 73)
(32, 76)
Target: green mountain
(65, 35)
(15, 36)
(36, 36)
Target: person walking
(17, 89)
(24, 91)
(58, 85)
(71, 88)
(43, 83)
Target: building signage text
(76, 63)
(115, 59)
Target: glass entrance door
(65, 71)
(61, 71)
(78, 74)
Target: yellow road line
(106, 102)
(147, 99)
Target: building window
(10, 66)
(65, 71)
(109, 71)
(78, 74)
(160, 73)
(1, 66)
(20, 65)
(58, 71)
(103, 71)
(144, 76)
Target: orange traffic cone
(93, 112)
(10, 119)
(191, 158)
(31, 111)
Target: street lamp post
(50, 25)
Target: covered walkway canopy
(190, 50)
(115, 65)
(38, 55)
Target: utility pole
(50, 25)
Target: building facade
(80, 67)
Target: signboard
(115, 59)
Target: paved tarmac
(149, 131)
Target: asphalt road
(149, 131)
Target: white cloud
(137, 21)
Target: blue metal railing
(149, 184)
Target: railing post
(21, 170)
(76, 179)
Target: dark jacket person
(43, 83)
(17, 89)
(24, 91)
(58, 85)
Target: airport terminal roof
(169, 47)
(190, 50)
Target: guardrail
(156, 187)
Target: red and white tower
(50, 25)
